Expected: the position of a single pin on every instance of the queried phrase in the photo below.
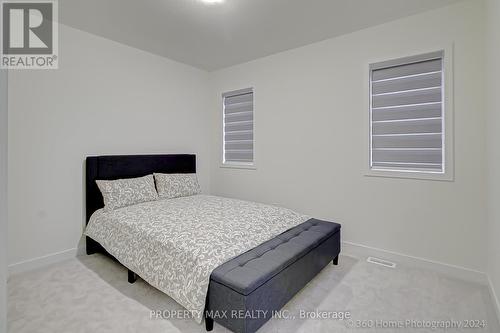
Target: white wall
(105, 98)
(108, 98)
(3, 201)
(311, 123)
(493, 139)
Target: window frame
(447, 125)
(233, 164)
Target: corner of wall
(3, 200)
(492, 80)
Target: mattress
(175, 244)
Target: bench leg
(209, 323)
(132, 277)
(336, 261)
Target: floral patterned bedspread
(175, 244)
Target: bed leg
(132, 277)
(336, 260)
(90, 246)
(209, 323)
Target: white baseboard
(348, 248)
(494, 297)
(363, 251)
(48, 259)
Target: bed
(220, 258)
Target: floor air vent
(381, 262)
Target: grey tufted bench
(246, 291)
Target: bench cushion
(252, 269)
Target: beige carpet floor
(91, 294)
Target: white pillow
(176, 185)
(125, 192)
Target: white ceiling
(220, 35)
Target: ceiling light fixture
(212, 2)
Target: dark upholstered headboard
(129, 166)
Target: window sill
(238, 166)
(436, 176)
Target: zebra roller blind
(238, 141)
(406, 114)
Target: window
(238, 128)
(407, 116)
